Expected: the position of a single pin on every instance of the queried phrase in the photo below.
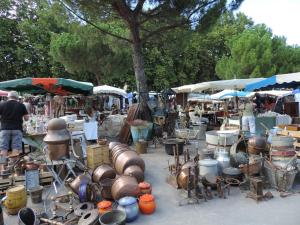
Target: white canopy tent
(106, 89)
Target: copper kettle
(74, 184)
(182, 178)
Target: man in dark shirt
(12, 113)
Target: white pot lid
(208, 162)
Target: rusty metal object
(89, 218)
(57, 139)
(102, 172)
(125, 186)
(256, 144)
(74, 184)
(83, 208)
(106, 186)
(135, 171)
(126, 159)
(183, 176)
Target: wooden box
(97, 155)
(6, 183)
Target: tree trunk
(139, 71)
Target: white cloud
(282, 16)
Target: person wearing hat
(12, 114)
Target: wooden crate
(46, 178)
(5, 183)
(97, 155)
(18, 180)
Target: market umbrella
(60, 86)
(106, 89)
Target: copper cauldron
(126, 159)
(112, 144)
(118, 150)
(125, 186)
(57, 139)
(183, 176)
(102, 172)
(74, 184)
(135, 171)
(256, 144)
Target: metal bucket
(36, 194)
(26, 216)
(16, 199)
(114, 217)
(202, 129)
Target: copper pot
(117, 151)
(74, 184)
(112, 144)
(126, 159)
(256, 144)
(125, 186)
(106, 185)
(135, 171)
(57, 139)
(182, 178)
(102, 172)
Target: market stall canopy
(277, 93)
(290, 80)
(184, 89)
(58, 86)
(224, 84)
(106, 89)
(229, 93)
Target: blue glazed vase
(130, 206)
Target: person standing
(12, 114)
(248, 119)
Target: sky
(282, 16)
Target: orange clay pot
(145, 188)
(147, 204)
(104, 206)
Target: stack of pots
(282, 151)
(221, 138)
(127, 162)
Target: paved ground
(236, 209)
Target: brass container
(102, 172)
(57, 139)
(126, 159)
(74, 184)
(117, 151)
(256, 144)
(125, 186)
(183, 176)
(135, 171)
(112, 144)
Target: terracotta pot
(125, 186)
(74, 185)
(135, 171)
(104, 206)
(102, 172)
(182, 178)
(147, 204)
(145, 188)
(126, 159)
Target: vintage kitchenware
(256, 144)
(89, 218)
(112, 144)
(231, 172)
(171, 143)
(126, 159)
(82, 208)
(36, 194)
(57, 139)
(222, 138)
(16, 199)
(27, 216)
(106, 185)
(74, 184)
(118, 150)
(130, 206)
(206, 153)
(223, 160)
(201, 128)
(104, 206)
(141, 146)
(145, 188)
(239, 159)
(114, 217)
(147, 204)
(125, 186)
(183, 176)
(240, 146)
(208, 166)
(135, 171)
(282, 158)
(102, 172)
